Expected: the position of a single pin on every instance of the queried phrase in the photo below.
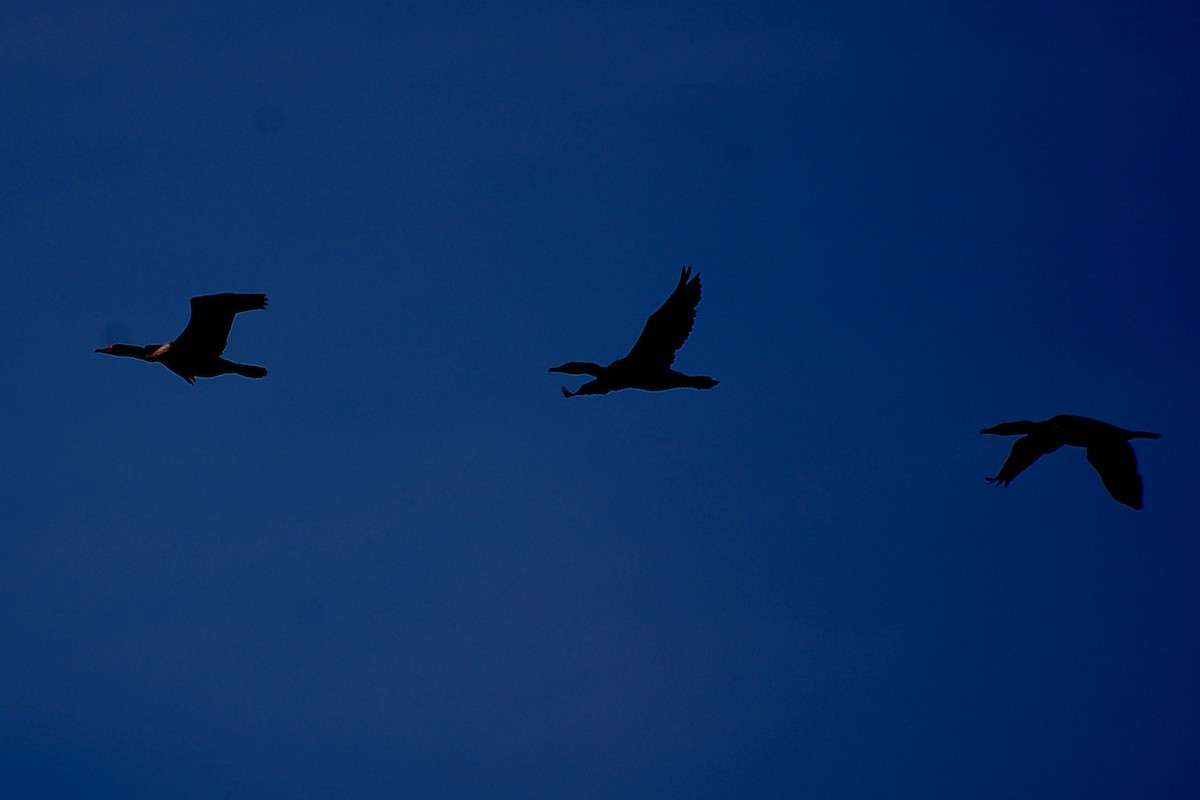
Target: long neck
(128, 350)
(1095, 427)
(580, 368)
(1012, 428)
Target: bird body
(196, 352)
(1108, 451)
(647, 366)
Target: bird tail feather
(250, 371)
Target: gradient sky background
(404, 566)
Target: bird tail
(250, 371)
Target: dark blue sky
(404, 566)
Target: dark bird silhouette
(196, 352)
(648, 365)
(1108, 450)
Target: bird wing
(668, 328)
(207, 331)
(1114, 459)
(1025, 451)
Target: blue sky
(404, 566)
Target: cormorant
(196, 352)
(1108, 450)
(648, 364)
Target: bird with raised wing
(1108, 451)
(648, 365)
(196, 352)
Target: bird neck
(127, 350)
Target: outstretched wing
(669, 327)
(207, 331)
(1025, 451)
(1115, 461)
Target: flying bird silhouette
(196, 352)
(648, 365)
(1108, 450)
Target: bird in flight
(648, 365)
(196, 352)
(1108, 450)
